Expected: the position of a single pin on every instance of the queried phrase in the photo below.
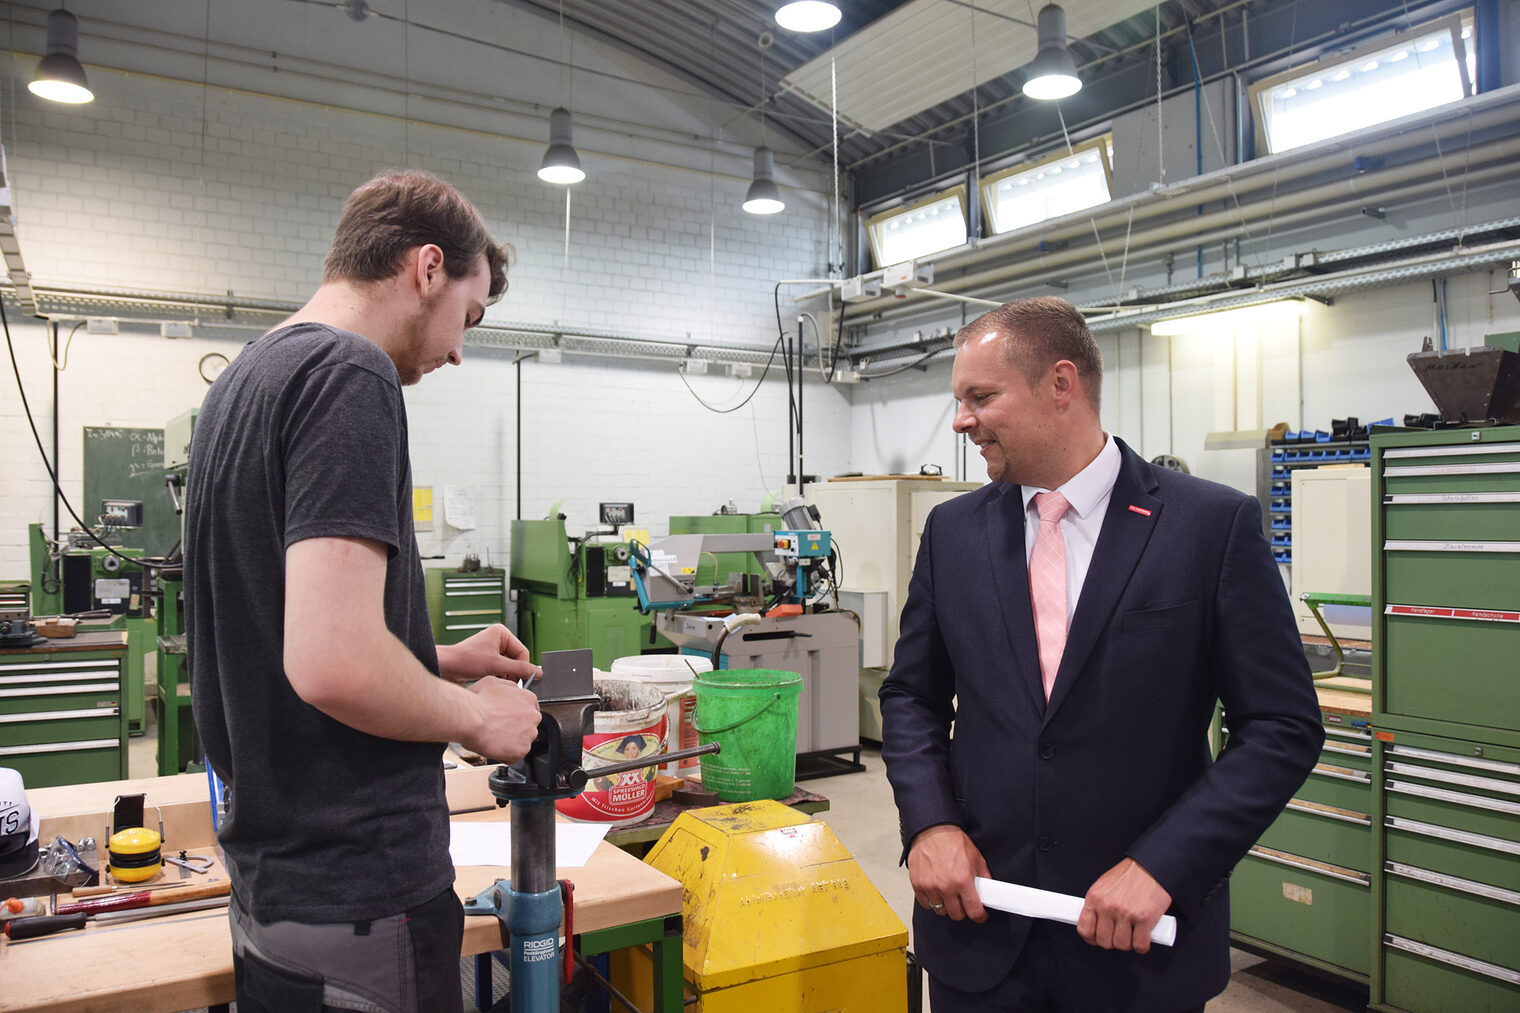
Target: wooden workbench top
(184, 961)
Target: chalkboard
(128, 464)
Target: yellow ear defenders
(134, 853)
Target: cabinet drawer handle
(73, 688)
(47, 668)
(1454, 450)
(1312, 865)
(93, 712)
(1330, 811)
(1502, 468)
(1452, 777)
(1448, 545)
(1342, 773)
(1471, 886)
(1348, 748)
(1453, 836)
(1450, 498)
(1457, 797)
(59, 747)
(1454, 759)
(1466, 963)
(466, 626)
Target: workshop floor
(862, 815)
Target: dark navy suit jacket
(1182, 606)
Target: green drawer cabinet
(1446, 576)
(1305, 890)
(62, 719)
(461, 603)
(1446, 761)
(1449, 848)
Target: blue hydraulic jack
(532, 904)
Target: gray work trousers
(403, 963)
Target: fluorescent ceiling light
(808, 16)
(1053, 73)
(764, 196)
(59, 77)
(1220, 321)
(561, 164)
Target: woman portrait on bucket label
(630, 748)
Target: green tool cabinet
(461, 603)
(1446, 690)
(61, 714)
(1304, 891)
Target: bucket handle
(742, 721)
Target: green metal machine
(178, 749)
(80, 576)
(577, 592)
(715, 568)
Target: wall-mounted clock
(212, 364)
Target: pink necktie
(1047, 584)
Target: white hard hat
(18, 827)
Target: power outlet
(101, 325)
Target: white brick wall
(140, 191)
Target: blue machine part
(793, 545)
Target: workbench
(184, 961)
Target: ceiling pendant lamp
(764, 196)
(59, 76)
(561, 164)
(808, 16)
(1053, 72)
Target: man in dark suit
(1075, 622)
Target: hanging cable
(69, 341)
(146, 564)
(681, 372)
(903, 369)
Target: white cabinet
(1332, 544)
(876, 525)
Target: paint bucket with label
(629, 723)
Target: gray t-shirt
(304, 436)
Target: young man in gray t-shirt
(318, 692)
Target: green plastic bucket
(752, 714)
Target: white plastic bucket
(671, 674)
(630, 722)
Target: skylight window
(904, 234)
(1051, 187)
(1378, 81)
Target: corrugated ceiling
(921, 54)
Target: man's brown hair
(401, 209)
(1037, 333)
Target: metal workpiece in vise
(532, 903)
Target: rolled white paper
(1058, 907)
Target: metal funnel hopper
(1471, 384)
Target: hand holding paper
(1060, 907)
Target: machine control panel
(794, 545)
(616, 514)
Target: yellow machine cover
(767, 892)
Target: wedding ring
(938, 907)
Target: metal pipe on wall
(1232, 182)
(1303, 205)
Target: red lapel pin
(1140, 510)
